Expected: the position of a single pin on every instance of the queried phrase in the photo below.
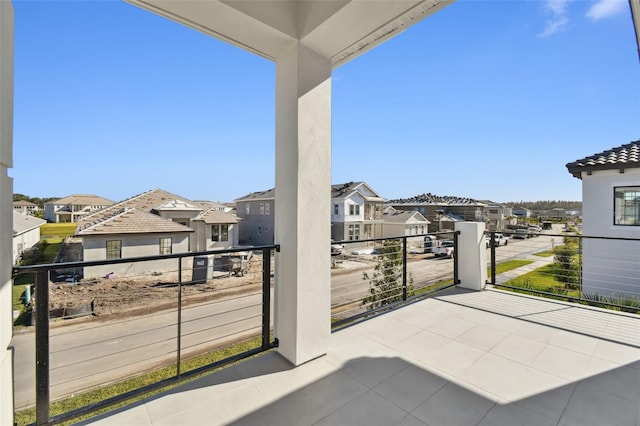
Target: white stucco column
(6, 210)
(472, 255)
(302, 204)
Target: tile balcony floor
(462, 358)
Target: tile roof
(622, 157)
(24, 203)
(23, 223)
(214, 215)
(83, 199)
(132, 221)
(147, 202)
(436, 200)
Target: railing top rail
(82, 263)
(567, 234)
(396, 237)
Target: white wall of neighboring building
(353, 200)
(94, 248)
(609, 267)
(23, 241)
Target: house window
(354, 232)
(219, 232)
(165, 245)
(354, 210)
(259, 230)
(247, 208)
(266, 209)
(336, 209)
(261, 208)
(114, 249)
(627, 206)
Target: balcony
(460, 358)
(446, 355)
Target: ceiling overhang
(337, 29)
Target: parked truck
(500, 239)
(444, 249)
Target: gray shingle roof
(622, 157)
(269, 194)
(23, 223)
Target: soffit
(337, 29)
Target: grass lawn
(50, 252)
(542, 279)
(28, 416)
(509, 265)
(57, 230)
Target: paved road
(93, 353)
(86, 355)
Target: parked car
(336, 248)
(533, 231)
(520, 234)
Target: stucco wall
(256, 228)
(133, 246)
(6, 211)
(24, 241)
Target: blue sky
(484, 99)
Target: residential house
(74, 207)
(521, 212)
(26, 233)
(152, 223)
(25, 207)
(610, 209)
(256, 210)
(442, 211)
(498, 216)
(357, 212)
(404, 222)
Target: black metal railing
(190, 309)
(375, 275)
(598, 271)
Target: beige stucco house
(74, 207)
(150, 224)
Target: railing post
(493, 257)
(42, 347)
(179, 328)
(404, 268)
(456, 279)
(266, 298)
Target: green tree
(567, 264)
(385, 283)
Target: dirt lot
(103, 297)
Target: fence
(374, 275)
(599, 271)
(151, 321)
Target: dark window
(114, 249)
(165, 245)
(627, 206)
(219, 232)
